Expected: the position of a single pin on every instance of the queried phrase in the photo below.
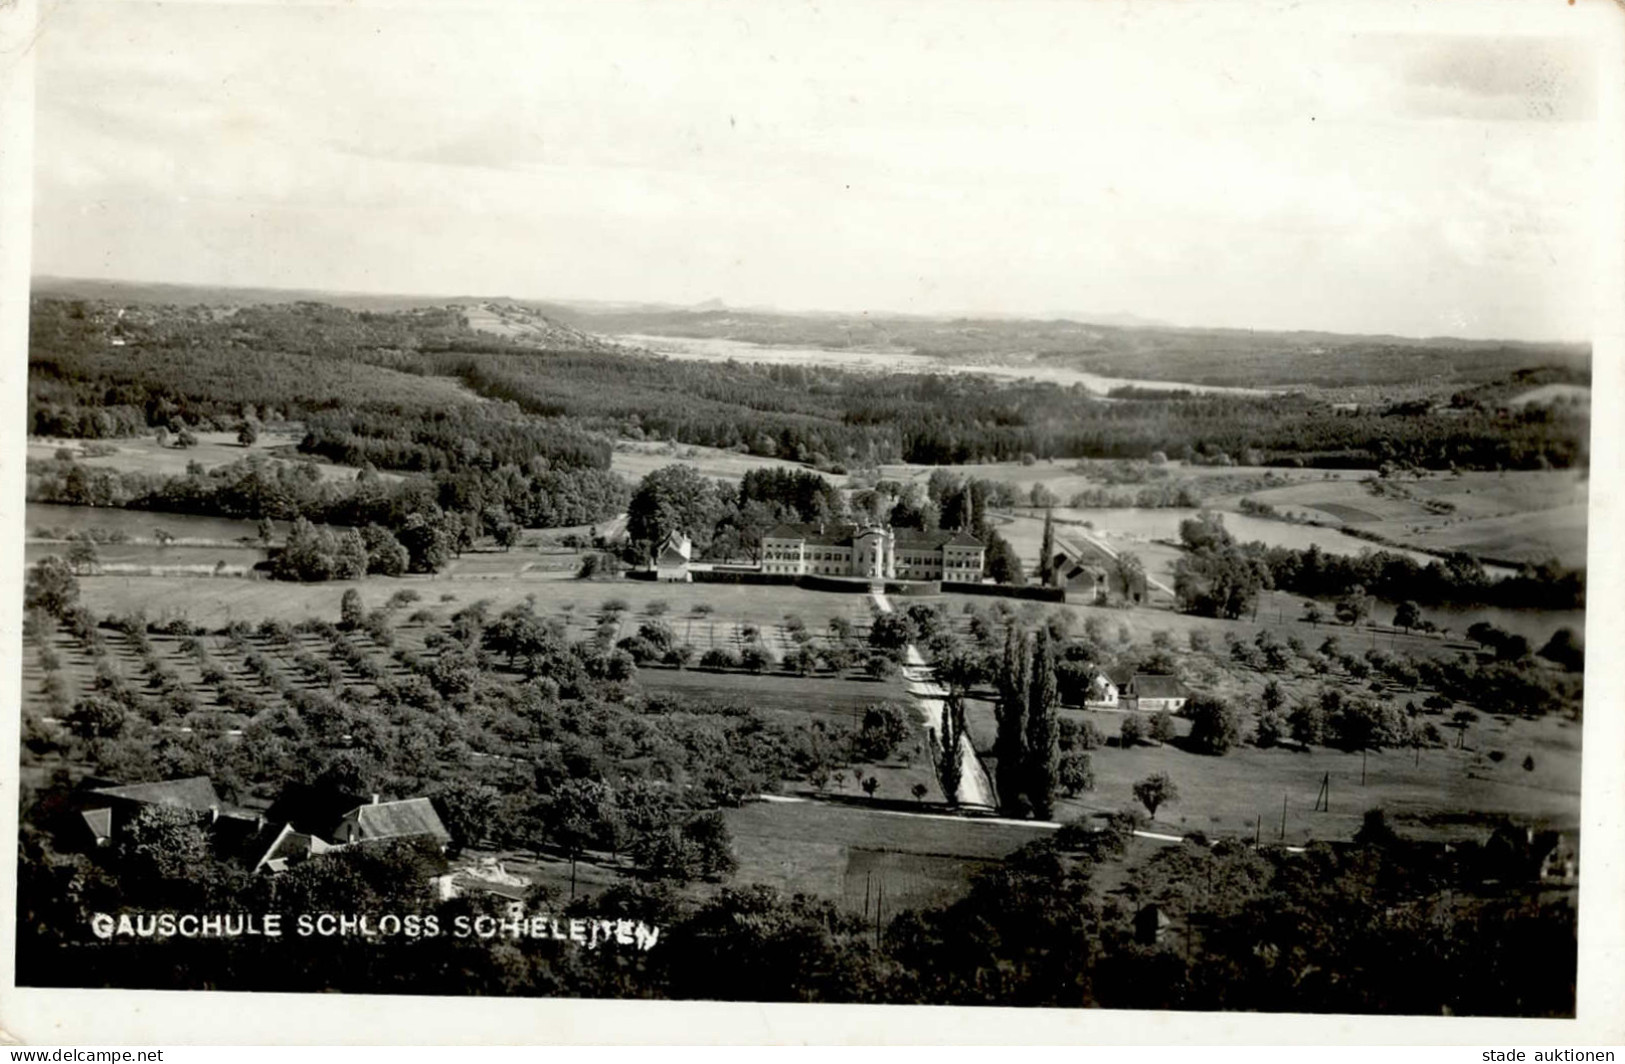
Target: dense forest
(364, 381)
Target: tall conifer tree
(1043, 729)
(1010, 744)
(1046, 553)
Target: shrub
(1215, 725)
(884, 728)
(756, 658)
(1162, 727)
(1270, 729)
(879, 666)
(1132, 732)
(718, 658)
(1076, 773)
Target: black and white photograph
(1074, 506)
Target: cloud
(1493, 79)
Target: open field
(635, 459)
(1516, 515)
(839, 851)
(140, 526)
(1226, 795)
(1065, 478)
(1006, 366)
(141, 454)
(215, 602)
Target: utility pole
(1283, 818)
(1362, 765)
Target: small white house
(1154, 693)
(1102, 691)
(671, 561)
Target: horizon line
(1143, 322)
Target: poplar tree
(1010, 744)
(951, 769)
(1043, 729)
(1046, 553)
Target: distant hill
(217, 296)
(1110, 346)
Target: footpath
(930, 700)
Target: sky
(1357, 168)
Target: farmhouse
(1101, 691)
(875, 552)
(377, 821)
(1082, 564)
(1153, 693)
(104, 810)
(671, 560)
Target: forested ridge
(309, 361)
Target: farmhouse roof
(288, 846)
(312, 809)
(195, 792)
(403, 819)
(100, 823)
(676, 544)
(1157, 685)
(842, 535)
(837, 535)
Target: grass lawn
(213, 602)
(1520, 515)
(845, 851)
(1226, 795)
(141, 454)
(635, 459)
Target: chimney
(374, 799)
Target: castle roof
(846, 533)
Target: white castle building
(874, 552)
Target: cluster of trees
(432, 518)
(1026, 748)
(1218, 577)
(453, 438)
(1215, 577)
(1457, 579)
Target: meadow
(143, 454)
(635, 459)
(850, 852)
(1516, 515)
(1445, 793)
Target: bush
(718, 658)
(879, 666)
(1162, 727)
(1090, 737)
(1132, 732)
(884, 729)
(1076, 773)
(1271, 729)
(1215, 725)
